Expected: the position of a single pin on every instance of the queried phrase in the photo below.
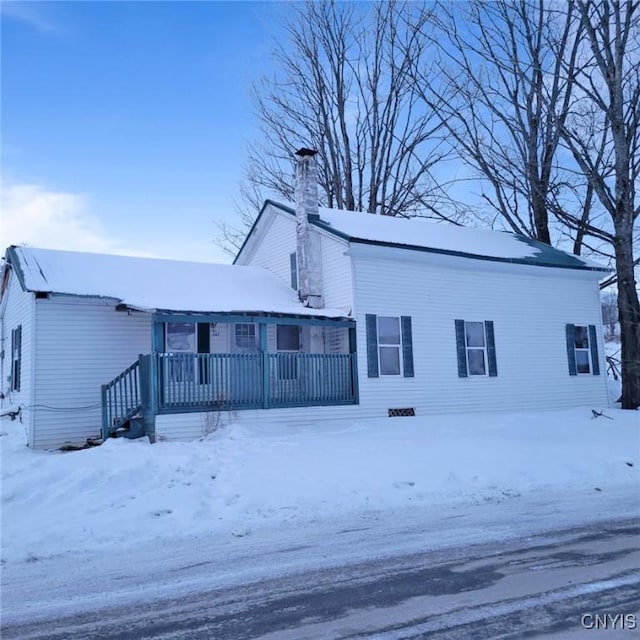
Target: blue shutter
(372, 346)
(407, 346)
(19, 354)
(593, 344)
(461, 346)
(571, 353)
(294, 270)
(491, 348)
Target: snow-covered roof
(421, 234)
(447, 238)
(154, 284)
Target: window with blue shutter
(476, 348)
(389, 346)
(582, 349)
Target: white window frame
(468, 348)
(250, 328)
(581, 349)
(390, 345)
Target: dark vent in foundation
(397, 413)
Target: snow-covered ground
(248, 490)
(240, 479)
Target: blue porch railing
(189, 382)
(219, 380)
(121, 399)
(254, 380)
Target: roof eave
(472, 256)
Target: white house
(325, 314)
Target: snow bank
(240, 479)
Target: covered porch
(228, 362)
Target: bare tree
(343, 86)
(502, 101)
(603, 134)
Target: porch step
(130, 428)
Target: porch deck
(189, 382)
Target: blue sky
(125, 124)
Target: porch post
(149, 393)
(264, 352)
(105, 412)
(157, 336)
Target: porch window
(475, 342)
(16, 357)
(582, 349)
(245, 336)
(288, 337)
(181, 342)
(181, 337)
(287, 341)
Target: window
(582, 349)
(245, 336)
(181, 337)
(16, 357)
(287, 340)
(476, 348)
(581, 346)
(287, 337)
(181, 344)
(389, 346)
(293, 260)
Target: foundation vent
(399, 413)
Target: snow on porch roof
(154, 284)
(425, 235)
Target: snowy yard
(131, 521)
(240, 480)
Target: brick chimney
(308, 240)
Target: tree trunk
(629, 312)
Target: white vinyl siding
(275, 240)
(17, 307)
(336, 273)
(83, 343)
(529, 307)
